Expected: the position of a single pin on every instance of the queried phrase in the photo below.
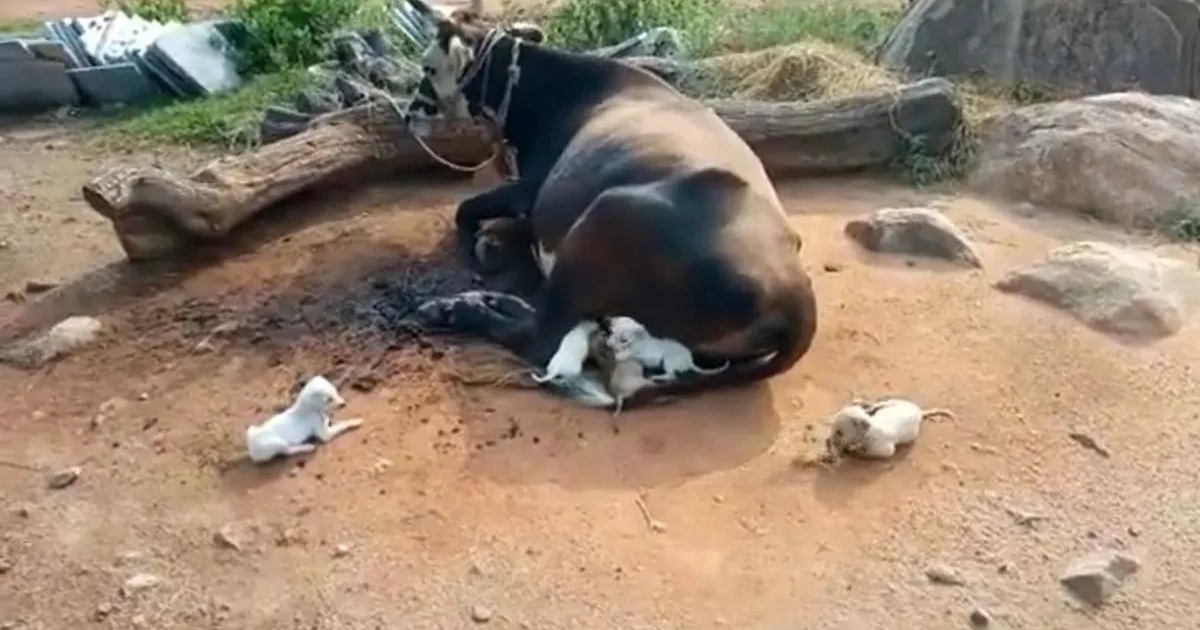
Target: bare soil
(457, 506)
(458, 500)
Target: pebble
(64, 478)
(140, 582)
(481, 614)
(1088, 441)
(942, 574)
(39, 286)
(225, 539)
(5, 566)
(102, 611)
(1097, 576)
(22, 511)
(341, 551)
(980, 618)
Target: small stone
(1096, 577)
(980, 618)
(140, 582)
(481, 614)
(64, 478)
(39, 286)
(22, 511)
(1088, 441)
(225, 539)
(289, 537)
(341, 551)
(102, 611)
(1134, 531)
(144, 396)
(942, 574)
(128, 558)
(5, 566)
(832, 267)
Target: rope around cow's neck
(497, 117)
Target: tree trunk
(156, 213)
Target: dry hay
(806, 70)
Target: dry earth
(461, 506)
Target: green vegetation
(159, 10)
(19, 26)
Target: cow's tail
(789, 333)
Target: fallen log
(155, 213)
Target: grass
(8, 26)
(230, 120)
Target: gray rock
(1122, 292)
(1096, 577)
(1127, 158)
(916, 231)
(35, 85)
(1079, 44)
(64, 478)
(980, 618)
(64, 338)
(51, 51)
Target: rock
(39, 286)
(64, 338)
(916, 231)
(64, 478)
(102, 611)
(481, 614)
(5, 566)
(1079, 44)
(980, 618)
(1119, 291)
(341, 551)
(140, 582)
(225, 538)
(1096, 577)
(1126, 158)
(1086, 440)
(944, 575)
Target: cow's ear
(527, 31)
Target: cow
(639, 201)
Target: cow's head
(455, 59)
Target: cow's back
(642, 135)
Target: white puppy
(875, 429)
(567, 362)
(289, 431)
(629, 340)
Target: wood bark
(155, 213)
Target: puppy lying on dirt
(874, 429)
(289, 432)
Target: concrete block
(51, 51)
(199, 54)
(14, 50)
(35, 85)
(116, 83)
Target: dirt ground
(457, 502)
(458, 506)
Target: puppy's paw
(353, 423)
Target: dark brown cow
(641, 202)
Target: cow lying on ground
(640, 202)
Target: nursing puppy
(630, 340)
(289, 432)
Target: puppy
(630, 340)
(622, 378)
(567, 362)
(288, 432)
(875, 429)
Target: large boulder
(1092, 46)
(1128, 158)
(1127, 293)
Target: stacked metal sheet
(113, 58)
